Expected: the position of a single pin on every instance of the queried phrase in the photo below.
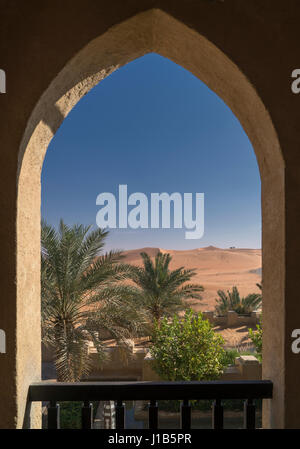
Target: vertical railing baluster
(249, 414)
(53, 415)
(114, 411)
(185, 414)
(87, 415)
(153, 414)
(217, 415)
(120, 414)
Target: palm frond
(233, 301)
(82, 296)
(161, 290)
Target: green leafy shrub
(256, 338)
(187, 349)
(230, 356)
(70, 414)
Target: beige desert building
(53, 53)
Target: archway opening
(153, 127)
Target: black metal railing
(55, 392)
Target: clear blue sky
(155, 127)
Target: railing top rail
(87, 391)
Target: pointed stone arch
(150, 31)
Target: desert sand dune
(216, 268)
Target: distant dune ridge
(216, 269)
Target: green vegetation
(70, 414)
(256, 337)
(159, 290)
(82, 296)
(233, 301)
(187, 348)
(206, 405)
(230, 356)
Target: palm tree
(159, 290)
(233, 301)
(82, 296)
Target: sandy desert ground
(216, 269)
